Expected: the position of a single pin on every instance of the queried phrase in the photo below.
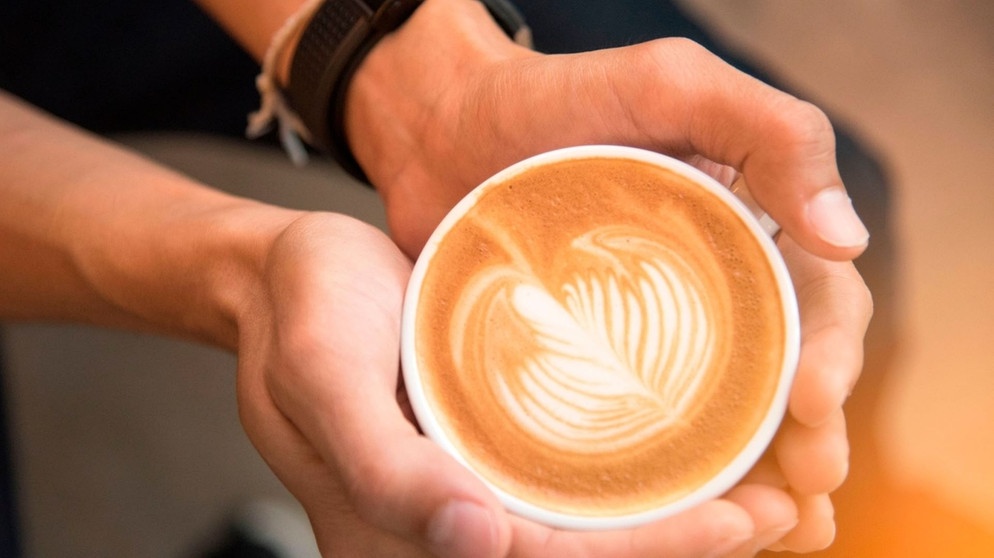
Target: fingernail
(733, 547)
(771, 536)
(835, 221)
(462, 529)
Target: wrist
(194, 269)
(94, 233)
(337, 38)
(163, 254)
(404, 98)
(231, 267)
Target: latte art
(597, 337)
(605, 361)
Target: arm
(116, 240)
(447, 100)
(473, 102)
(253, 23)
(91, 232)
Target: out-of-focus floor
(130, 445)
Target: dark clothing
(120, 65)
(9, 541)
(117, 66)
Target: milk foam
(605, 361)
(599, 336)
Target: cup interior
(735, 470)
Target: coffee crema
(599, 336)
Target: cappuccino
(597, 336)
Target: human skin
(108, 238)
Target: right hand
(448, 100)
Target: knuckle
(841, 282)
(686, 47)
(802, 127)
(806, 120)
(295, 348)
(865, 298)
(665, 53)
(368, 486)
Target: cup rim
(729, 475)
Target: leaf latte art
(597, 336)
(613, 357)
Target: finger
(835, 309)
(399, 481)
(766, 471)
(674, 96)
(716, 528)
(773, 512)
(338, 530)
(785, 147)
(395, 479)
(813, 460)
(339, 387)
(816, 526)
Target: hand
(324, 409)
(318, 384)
(786, 496)
(484, 103)
(448, 100)
(319, 396)
(810, 456)
(323, 404)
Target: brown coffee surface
(602, 335)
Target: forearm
(91, 232)
(253, 23)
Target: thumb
(405, 484)
(784, 147)
(337, 380)
(684, 100)
(394, 479)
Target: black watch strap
(330, 49)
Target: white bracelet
(273, 103)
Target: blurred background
(128, 445)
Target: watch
(332, 46)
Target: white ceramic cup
(761, 226)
